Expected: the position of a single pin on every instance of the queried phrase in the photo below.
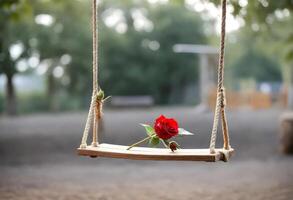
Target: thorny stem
(139, 142)
(165, 143)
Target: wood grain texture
(144, 153)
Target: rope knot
(222, 92)
(99, 100)
(100, 95)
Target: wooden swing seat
(144, 153)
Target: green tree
(143, 62)
(68, 36)
(12, 14)
(273, 19)
(257, 66)
(134, 62)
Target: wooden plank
(144, 153)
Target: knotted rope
(95, 110)
(221, 99)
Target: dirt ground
(38, 159)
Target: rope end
(83, 146)
(212, 150)
(225, 155)
(94, 144)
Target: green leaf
(149, 130)
(183, 132)
(154, 141)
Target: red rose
(166, 127)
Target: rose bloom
(166, 128)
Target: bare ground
(38, 159)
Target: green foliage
(130, 67)
(149, 129)
(274, 29)
(12, 17)
(32, 102)
(257, 66)
(258, 11)
(154, 141)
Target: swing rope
(95, 110)
(221, 97)
(94, 113)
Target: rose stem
(164, 143)
(139, 142)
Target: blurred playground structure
(248, 94)
(251, 99)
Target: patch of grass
(32, 102)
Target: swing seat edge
(145, 153)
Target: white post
(204, 79)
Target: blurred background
(155, 57)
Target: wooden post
(290, 87)
(287, 133)
(204, 79)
